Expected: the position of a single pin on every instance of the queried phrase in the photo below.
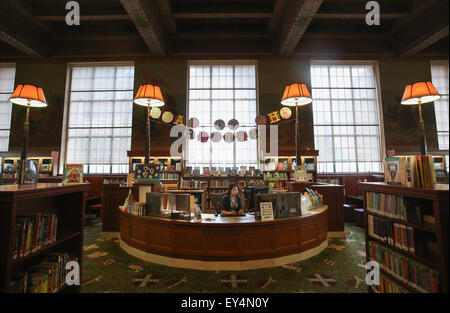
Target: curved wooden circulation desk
(229, 243)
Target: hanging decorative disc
(167, 117)
(228, 137)
(241, 136)
(203, 137)
(190, 133)
(216, 137)
(193, 122)
(285, 113)
(155, 113)
(233, 124)
(253, 133)
(219, 124)
(260, 120)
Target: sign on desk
(266, 211)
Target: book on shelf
(33, 232)
(188, 171)
(206, 172)
(395, 170)
(387, 285)
(414, 274)
(422, 172)
(196, 171)
(48, 276)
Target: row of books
(415, 275)
(422, 172)
(269, 176)
(387, 285)
(33, 232)
(116, 180)
(329, 180)
(193, 184)
(408, 209)
(134, 207)
(168, 176)
(47, 277)
(386, 204)
(398, 235)
(222, 171)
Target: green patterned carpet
(339, 268)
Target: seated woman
(231, 203)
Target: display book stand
(65, 202)
(418, 241)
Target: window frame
(222, 62)
(3, 65)
(381, 137)
(64, 139)
(443, 151)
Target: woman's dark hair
(231, 188)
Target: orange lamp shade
(149, 95)
(296, 95)
(28, 95)
(421, 92)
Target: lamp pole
(424, 148)
(297, 138)
(147, 142)
(23, 155)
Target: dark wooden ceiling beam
(419, 5)
(220, 15)
(428, 27)
(165, 9)
(296, 19)
(26, 9)
(278, 9)
(362, 16)
(62, 18)
(146, 17)
(20, 31)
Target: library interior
(251, 146)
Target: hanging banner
(241, 136)
(260, 120)
(285, 113)
(216, 137)
(274, 117)
(253, 133)
(179, 120)
(233, 124)
(228, 137)
(203, 137)
(219, 124)
(155, 113)
(167, 117)
(193, 122)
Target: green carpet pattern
(337, 269)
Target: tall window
(439, 74)
(7, 76)
(100, 116)
(225, 92)
(346, 118)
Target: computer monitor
(250, 193)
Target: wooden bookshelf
(66, 202)
(218, 184)
(438, 198)
(285, 164)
